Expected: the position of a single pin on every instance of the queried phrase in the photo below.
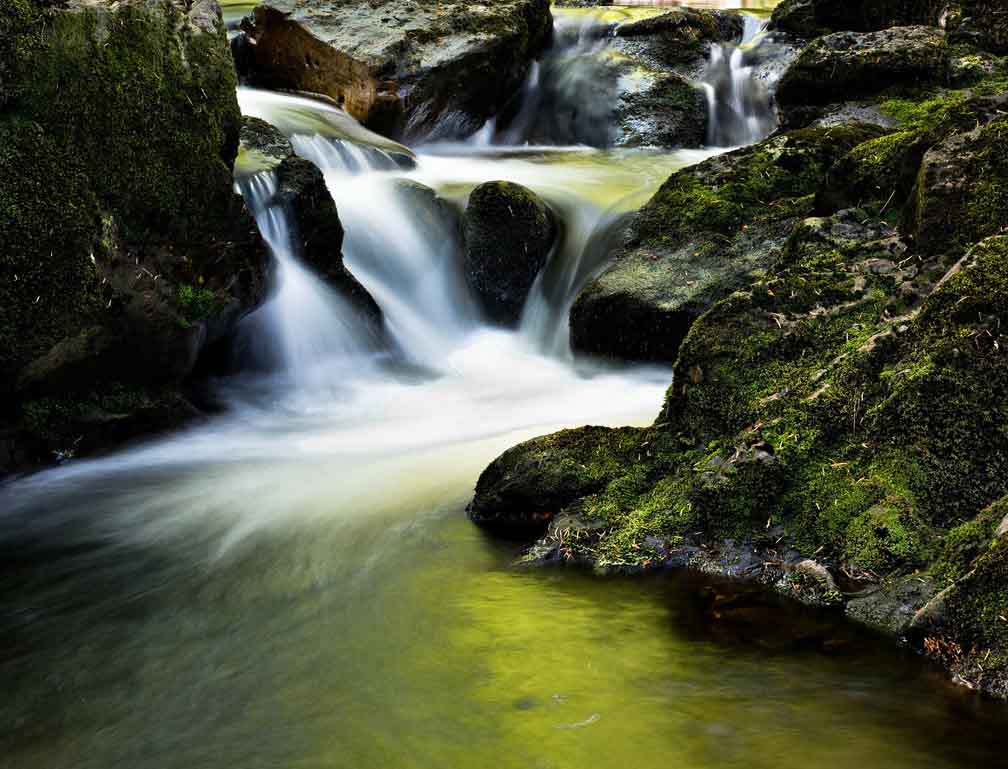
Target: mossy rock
(709, 230)
(509, 233)
(682, 35)
(671, 113)
(812, 18)
(847, 65)
(962, 190)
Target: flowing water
(294, 583)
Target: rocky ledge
(833, 301)
(400, 67)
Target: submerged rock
(710, 229)
(846, 65)
(399, 66)
(509, 233)
(124, 254)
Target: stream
(294, 582)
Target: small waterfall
(305, 327)
(739, 105)
(401, 243)
(568, 96)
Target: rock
(522, 491)
(811, 18)
(710, 229)
(983, 23)
(509, 233)
(670, 113)
(262, 147)
(892, 607)
(302, 191)
(680, 36)
(962, 190)
(846, 65)
(112, 233)
(399, 66)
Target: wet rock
(262, 147)
(680, 36)
(401, 67)
(962, 190)
(811, 18)
(847, 65)
(671, 112)
(710, 229)
(302, 191)
(152, 247)
(524, 489)
(509, 233)
(892, 606)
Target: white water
(740, 110)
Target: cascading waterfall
(304, 326)
(740, 108)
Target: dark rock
(509, 233)
(811, 18)
(671, 113)
(892, 606)
(983, 23)
(398, 66)
(846, 65)
(117, 244)
(710, 229)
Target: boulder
(983, 23)
(678, 37)
(710, 229)
(846, 65)
(124, 254)
(509, 233)
(671, 112)
(962, 190)
(401, 67)
(811, 18)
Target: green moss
(98, 80)
(195, 303)
(886, 537)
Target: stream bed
(293, 583)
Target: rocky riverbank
(833, 302)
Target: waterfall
(739, 105)
(305, 327)
(402, 244)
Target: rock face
(123, 254)
(671, 112)
(710, 229)
(846, 65)
(401, 67)
(509, 233)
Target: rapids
(293, 583)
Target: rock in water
(311, 210)
(399, 66)
(509, 232)
(124, 250)
(811, 18)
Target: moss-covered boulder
(847, 65)
(509, 233)
(400, 66)
(962, 190)
(811, 18)
(710, 229)
(680, 36)
(118, 130)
